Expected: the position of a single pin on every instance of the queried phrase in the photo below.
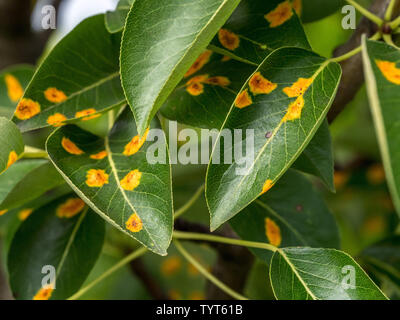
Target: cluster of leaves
(216, 64)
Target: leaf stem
(207, 237)
(191, 201)
(207, 274)
(33, 153)
(355, 51)
(374, 18)
(389, 41)
(395, 23)
(389, 11)
(134, 255)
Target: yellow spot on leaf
(70, 147)
(218, 81)
(298, 88)
(203, 59)
(134, 223)
(259, 85)
(243, 100)
(389, 71)
(228, 39)
(14, 88)
(24, 214)
(171, 265)
(375, 225)
(273, 232)
(99, 156)
(294, 111)
(27, 109)
(282, 13)
(135, 144)
(70, 208)
(12, 158)
(267, 186)
(376, 174)
(297, 6)
(196, 295)
(2, 212)
(44, 293)
(195, 89)
(174, 295)
(55, 95)
(131, 180)
(225, 58)
(56, 120)
(96, 178)
(87, 114)
(340, 179)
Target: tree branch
(353, 77)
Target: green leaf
(11, 144)
(47, 238)
(282, 127)
(32, 185)
(122, 186)
(317, 158)
(382, 73)
(156, 53)
(115, 20)
(13, 82)
(257, 27)
(320, 274)
(291, 214)
(317, 9)
(383, 259)
(79, 79)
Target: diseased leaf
(317, 9)
(161, 41)
(13, 82)
(115, 20)
(115, 178)
(291, 214)
(79, 79)
(58, 235)
(257, 27)
(382, 74)
(320, 274)
(283, 104)
(31, 186)
(11, 144)
(317, 158)
(383, 259)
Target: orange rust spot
(375, 225)
(282, 13)
(228, 39)
(298, 88)
(218, 81)
(294, 111)
(2, 212)
(196, 295)
(243, 100)
(195, 89)
(55, 95)
(225, 58)
(27, 109)
(267, 186)
(14, 88)
(44, 293)
(70, 208)
(273, 232)
(24, 214)
(87, 114)
(259, 85)
(202, 60)
(99, 156)
(135, 144)
(198, 79)
(12, 158)
(174, 295)
(131, 180)
(192, 270)
(70, 147)
(376, 174)
(297, 6)
(134, 223)
(56, 120)
(171, 265)
(96, 178)
(340, 179)
(389, 71)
